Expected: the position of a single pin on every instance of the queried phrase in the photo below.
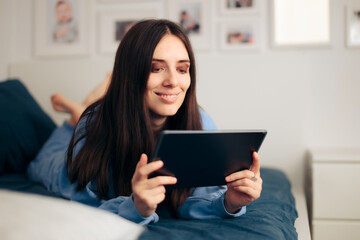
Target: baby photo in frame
(61, 27)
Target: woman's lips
(168, 97)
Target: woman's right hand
(148, 193)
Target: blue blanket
(272, 216)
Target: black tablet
(205, 158)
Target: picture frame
(239, 35)
(238, 7)
(194, 16)
(353, 25)
(113, 24)
(286, 31)
(61, 28)
(122, 1)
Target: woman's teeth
(167, 96)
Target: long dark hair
(118, 126)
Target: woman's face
(169, 78)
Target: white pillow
(29, 216)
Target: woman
(152, 88)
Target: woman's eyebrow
(162, 60)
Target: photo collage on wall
(240, 33)
(62, 27)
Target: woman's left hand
(244, 187)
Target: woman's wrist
(229, 207)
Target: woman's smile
(168, 97)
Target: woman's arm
(123, 205)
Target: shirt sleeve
(207, 203)
(125, 207)
(207, 122)
(122, 205)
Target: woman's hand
(244, 187)
(148, 193)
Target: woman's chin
(164, 113)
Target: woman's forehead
(171, 46)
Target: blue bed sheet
(272, 216)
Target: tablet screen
(205, 158)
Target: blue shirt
(49, 168)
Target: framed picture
(239, 35)
(193, 16)
(312, 30)
(61, 27)
(113, 24)
(353, 25)
(237, 7)
(121, 1)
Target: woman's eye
(157, 68)
(183, 70)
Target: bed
(25, 128)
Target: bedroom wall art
(194, 16)
(353, 25)
(113, 24)
(239, 35)
(239, 25)
(236, 7)
(303, 23)
(121, 1)
(61, 28)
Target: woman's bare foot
(62, 104)
(98, 92)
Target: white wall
(6, 33)
(303, 97)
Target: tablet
(205, 158)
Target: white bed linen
(29, 216)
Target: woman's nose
(171, 78)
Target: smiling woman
(152, 88)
